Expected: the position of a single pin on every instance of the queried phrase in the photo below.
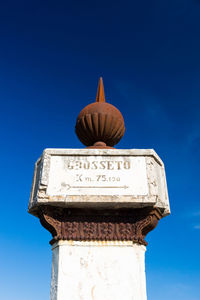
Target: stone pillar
(99, 203)
(98, 254)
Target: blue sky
(52, 54)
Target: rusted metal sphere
(100, 122)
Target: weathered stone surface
(102, 178)
(98, 270)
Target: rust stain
(92, 292)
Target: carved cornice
(101, 225)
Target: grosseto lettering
(98, 165)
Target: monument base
(96, 270)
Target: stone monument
(99, 203)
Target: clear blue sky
(51, 56)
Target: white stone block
(98, 271)
(99, 178)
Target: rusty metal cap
(100, 124)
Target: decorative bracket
(99, 225)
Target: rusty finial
(100, 124)
(100, 91)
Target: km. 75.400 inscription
(97, 178)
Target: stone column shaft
(98, 270)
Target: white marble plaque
(99, 178)
(97, 175)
